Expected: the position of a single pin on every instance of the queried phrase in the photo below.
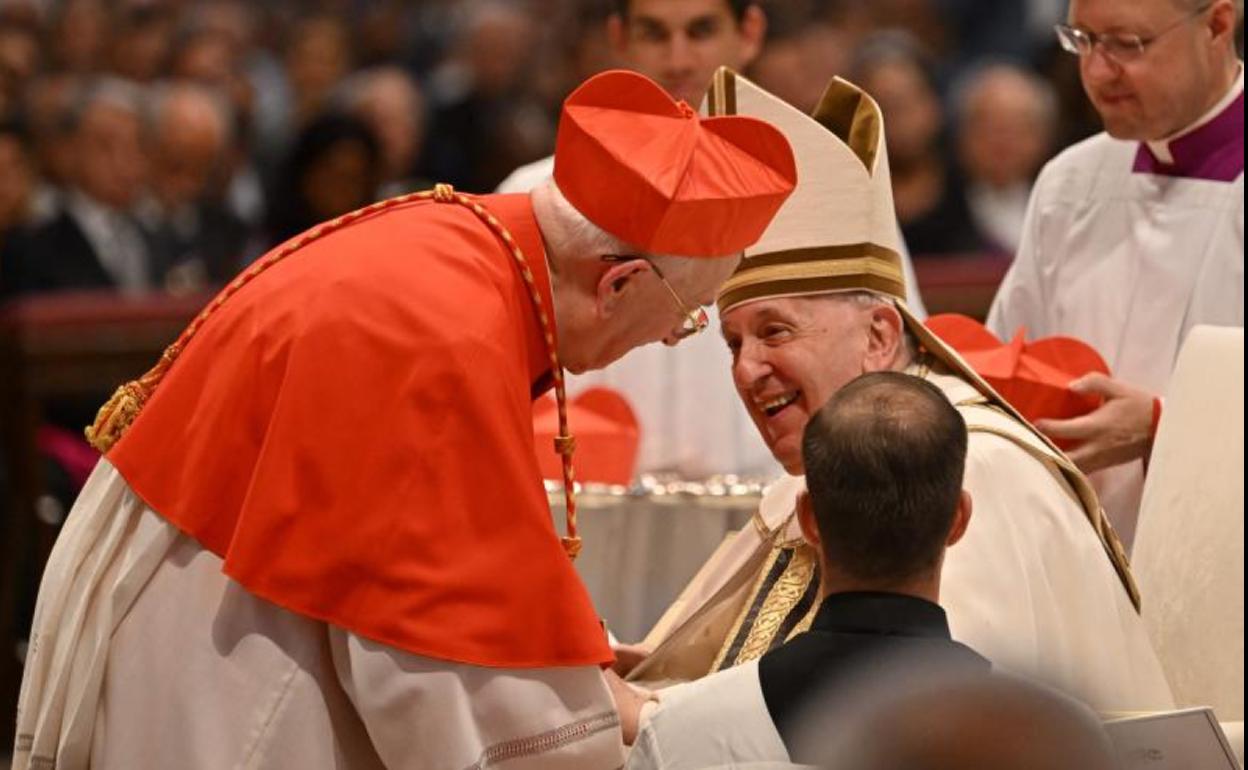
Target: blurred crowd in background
(187, 137)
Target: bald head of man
(189, 130)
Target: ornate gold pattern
(781, 599)
(115, 417)
(778, 599)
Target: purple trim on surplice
(1215, 151)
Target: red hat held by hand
(1034, 376)
(650, 171)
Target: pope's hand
(1118, 431)
(628, 702)
(628, 657)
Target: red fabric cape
(352, 434)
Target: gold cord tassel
(115, 416)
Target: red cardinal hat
(653, 173)
(1033, 376)
(607, 437)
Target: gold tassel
(114, 418)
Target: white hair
(162, 95)
(110, 91)
(968, 86)
(869, 300)
(576, 233)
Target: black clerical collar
(880, 613)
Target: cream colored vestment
(144, 655)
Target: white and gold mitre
(838, 230)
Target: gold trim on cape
(779, 596)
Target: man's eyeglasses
(1119, 46)
(693, 320)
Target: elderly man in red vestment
(319, 537)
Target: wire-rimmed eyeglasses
(693, 319)
(1119, 46)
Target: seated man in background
(1040, 585)
(884, 461)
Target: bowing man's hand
(628, 657)
(628, 702)
(1118, 431)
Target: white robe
(1029, 586)
(1127, 262)
(144, 655)
(692, 421)
(718, 721)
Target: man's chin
(1124, 127)
(789, 459)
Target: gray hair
(163, 93)
(109, 91)
(577, 232)
(967, 86)
(348, 95)
(869, 300)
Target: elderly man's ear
(885, 337)
(961, 519)
(615, 282)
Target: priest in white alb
(1136, 235)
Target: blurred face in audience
(188, 144)
(19, 51)
(1005, 131)
(210, 59)
(911, 109)
(48, 100)
(110, 165)
(1181, 73)
(141, 43)
(392, 106)
(341, 179)
(798, 68)
(17, 180)
(680, 43)
(499, 48)
(79, 34)
(318, 56)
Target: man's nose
(1098, 67)
(680, 55)
(750, 366)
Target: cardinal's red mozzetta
(351, 431)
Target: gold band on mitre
(816, 270)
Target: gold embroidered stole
(781, 603)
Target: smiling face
(1177, 78)
(789, 355)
